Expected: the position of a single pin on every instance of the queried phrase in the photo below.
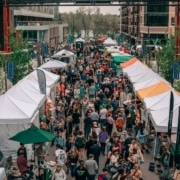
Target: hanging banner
(10, 70)
(177, 150)
(41, 81)
(171, 107)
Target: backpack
(80, 142)
(101, 177)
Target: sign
(171, 107)
(177, 149)
(176, 70)
(10, 70)
(41, 81)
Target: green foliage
(20, 56)
(165, 58)
(177, 86)
(91, 19)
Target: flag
(171, 107)
(41, 81)
(177, 149)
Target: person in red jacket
(22, 165)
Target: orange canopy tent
(153, 90)
(128, 63)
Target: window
(173, 21)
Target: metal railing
(34, 23)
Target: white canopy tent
(110, 42)
(28, 92)
(51, 78)
(145, 74)
(14, 111)
(160, 119)
(161, 101)
(151, 81)
(134, 67)
(63, 53)
(53, 64)
(15, 116)
(80, 40)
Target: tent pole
(155, 145)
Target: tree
(20, 56)
(165, 58)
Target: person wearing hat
(59, 173)
(91, 167)
(81, 172)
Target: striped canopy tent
(153, 90)
(128, 63)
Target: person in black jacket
(95, 150)
(81, 172)
(88, 145)
(22, 149)
(87, 125)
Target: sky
(104, 9)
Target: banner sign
(41, 80)
(171, 107)
(175, 70)
(177, 150)
(10, 69)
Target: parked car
(3, 160)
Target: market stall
(129, 63)
(109, 42)
(15, 115)
(153, 90)
(53, 64)
(149, 82)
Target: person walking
(102, 116)
(95, 150)
(91, 167)
(103, 136)
(87, 124)
(59, 173)
(72, 160)
(81, 172)
(88, 145)
(94, 116)
(80, 144)
(60, 155)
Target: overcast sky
(104, 9)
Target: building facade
(39, 23)
(147, 24)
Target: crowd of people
(94, 117)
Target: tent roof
(161, 101)
(27, 92)
(53, 64)
(79, 40)
(134, 67)
(160, 119)
(109, 41)
(14, 111)
(32, 86)
(153, 90)
(63, 53)
(148, 82)
(128, 63)
(51, 78)
(137, 70)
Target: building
(147, 24)
(39, 23)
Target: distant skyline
(104, 9)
